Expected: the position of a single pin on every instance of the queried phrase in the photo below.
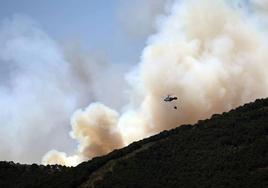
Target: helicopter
(169, 98)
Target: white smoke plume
(208, 53)
(41, 85)
(30, 93)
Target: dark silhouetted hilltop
(228, 150)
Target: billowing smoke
(209, 53)
(41, 85)
(94, 129)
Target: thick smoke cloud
(209, 56)
(41, 85)
(208, 53)
(94, 129)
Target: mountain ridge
(227, 150)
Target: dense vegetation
(229, 150)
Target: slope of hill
(228, 150)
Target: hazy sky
(94, 23)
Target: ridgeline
(229, 150)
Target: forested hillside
(228, 150)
